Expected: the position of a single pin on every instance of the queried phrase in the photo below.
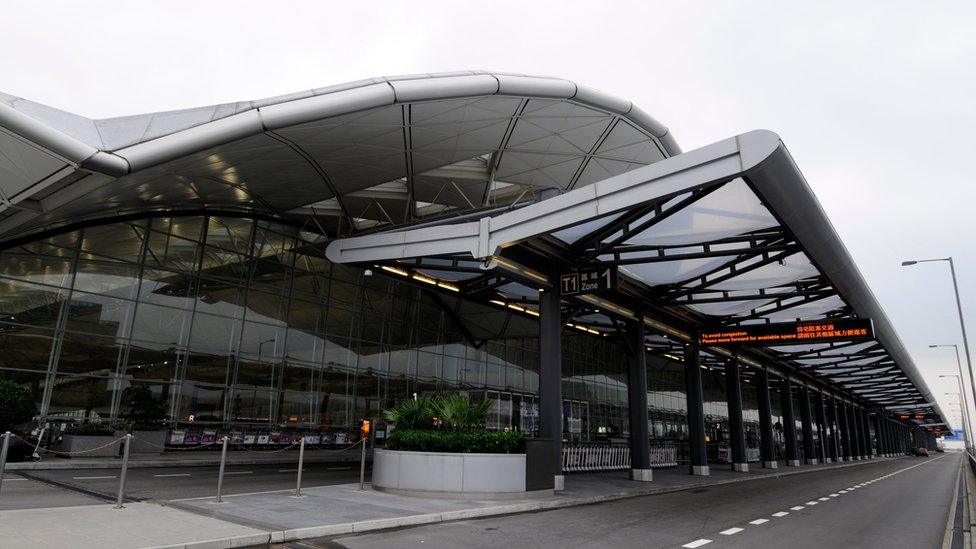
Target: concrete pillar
(696, 415)
(789, 423)
(550, 378)
(835, 451)
(821, 415)
(806, 421)
(845, 432)
(767, 452)
(733, 394)
(640, 454)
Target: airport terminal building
(305, 261)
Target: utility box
(541, 463)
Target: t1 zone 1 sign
(587, 281)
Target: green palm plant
(457, 414)
(412, 413)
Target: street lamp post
(966, 424)
(962, 390)
(962, 323)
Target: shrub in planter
(90, 430)
(447, 423)
(474, 442)
(140, 410)
(16, 405)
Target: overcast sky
(876, 103)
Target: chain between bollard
(220, 475)
(125, 466)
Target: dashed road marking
(697, 543)
(812, 502)
(731, 531)
(173, 475)
(93, 478)
(834, 495)
(823, 499)
(239, 472)
(797, 508)
(780, 514)
(757, 522)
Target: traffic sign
(588, 281)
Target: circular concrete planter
(448, 475)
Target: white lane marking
(731, 531)
(797, 508)
(173, 475)
(697, 543)
(757, 522)
(295, 470)
(780, 514)
(824, 499)
(93, 478)
(843, 491)
(834, 495)
(812, 502)
(239, 472)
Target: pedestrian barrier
(594, 457)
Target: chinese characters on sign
(790, 332)
(586, 281)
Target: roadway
(168, 483)
(902, 503)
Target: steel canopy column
(766, 451)
(550, 379)
(834, 431)
(879, 431)
(736, 430)
(868, 443)
(845, 432)
(640, 453)
(806, 420)
(855, 436)
(789, 423)
(822, 427)
(696, 415)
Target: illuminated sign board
(587, 281)
(785, 333)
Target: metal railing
(594, 457)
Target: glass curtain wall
(235, 321)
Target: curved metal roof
(359, 155)
(726, 235)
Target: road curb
(307, 532)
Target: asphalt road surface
(900, 503)
(169, 483)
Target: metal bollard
(362, 467)
(3, 455)
(301, 463)
(125, 466)
(220, 475)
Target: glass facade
(235, 321)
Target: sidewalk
(191, 459)
(251, 519)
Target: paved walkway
(250, 519)
(137, 525)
